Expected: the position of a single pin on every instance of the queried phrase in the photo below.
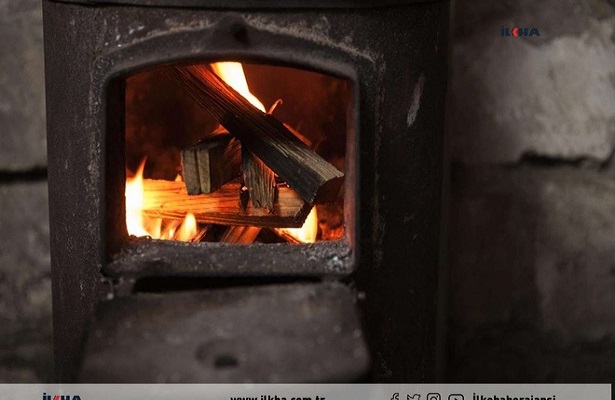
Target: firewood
(202, 234)
(258, 179)
(286, 236)
(316, 180)
(240, 234)
(210, 163)
(169, 199)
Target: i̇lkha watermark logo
(60, 397)
(518, 32)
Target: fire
(139, 224)
(232, 73)
(188, 229)
(308, 232)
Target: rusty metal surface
(280, 333)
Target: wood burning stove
(218, 281)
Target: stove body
(394, 55)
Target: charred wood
(209, 164)
(316, 180)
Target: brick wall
(25, 284)
(532, 224)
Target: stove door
(273, 333)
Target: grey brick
(552, 95)
(25, 282)
(22, 104)
(532, 272)
(535, 246)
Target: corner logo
(60, 397)
(516, 32)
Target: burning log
(286, 236)
(209, 164)
(201, 234)
(307, 234)
(259, 179)
(306, 172)
(240, 234)
(167, 199)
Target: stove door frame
(398, 58)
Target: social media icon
(434, 396)
(455, 397)
(395, 396)
(415, 397)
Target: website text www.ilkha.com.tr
(269, 397)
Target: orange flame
(139, 224)
(308, 231)
(188, 229)
(232, 73)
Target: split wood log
(240, 234)
(179, 234)
(259, 180)
(316, 180)
(202, 234)
(169, 199)
(210, 163)
(212, 232)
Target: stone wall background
(532, 209)
(532, 215)
(25, 277)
